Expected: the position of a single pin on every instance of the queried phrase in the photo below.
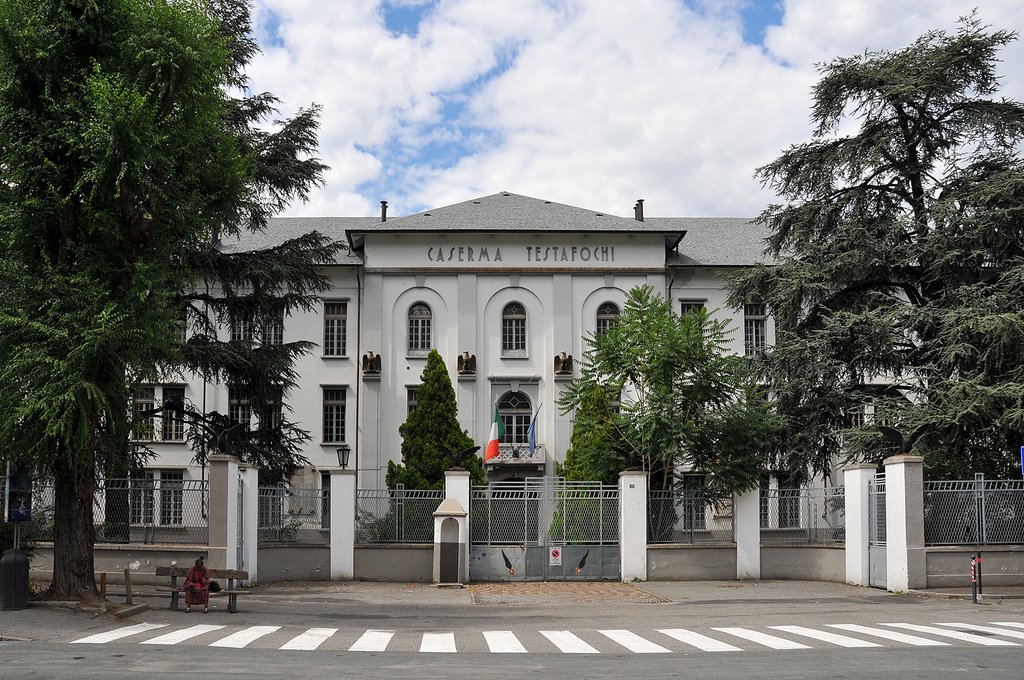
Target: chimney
(383, 211)
(638, 210)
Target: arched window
(607, 315)
(513, 330)
(420, 318)
(514, 410)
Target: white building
(511, 282)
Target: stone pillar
(633, 524)
(904, 523)
(343, 524)
(457, 485)
(451, 535)
(223, 512)
(746, 527)
(857, 480)
(249, 477)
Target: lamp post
(343, 453)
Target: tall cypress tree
(431, 435)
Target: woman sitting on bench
(197, 587)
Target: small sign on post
(555, 557)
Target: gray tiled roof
(281, 229)
(707, 241)
(510, 212)
(717, 241)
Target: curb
(131, 611)
(986, 597)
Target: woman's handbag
(214, 587)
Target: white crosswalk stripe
(438, 642)
(311, 639)
(174, 637)
(372, 641)
(825, 636)
(568, 642)
(889, 635)
(118, 633)
(245, 636)
(1016, 634)
(612, 641)
(701, 642)
(769, 641)
(634, 642)
(503, 642)
(955, 634)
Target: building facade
(505, 287)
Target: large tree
(129, 147)
(684, 402)
(899, 253)
(432, 439)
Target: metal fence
(397, 515)
(804, 515)
(544, 511)
(974, 512)
(876, 511)
(290, 515)
(136, 510)
(687, 516)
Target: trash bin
(13, 580)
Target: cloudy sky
(593, 103)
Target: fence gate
(240, 537)
(544, 529)
(876, 533)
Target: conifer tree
(431, 435)
(899, 253)
(130, 147)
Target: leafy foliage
(684, 402)
(431, 435)
(129, 147)
(899, 262)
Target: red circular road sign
(555, 552)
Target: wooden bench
(228, 576)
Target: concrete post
(633, 524)
(746, 526)
(904, 523)
(457, 486)
(857, 480)
(249, 477)
(223, 513)
(343, 524)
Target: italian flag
(497, 431)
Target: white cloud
(589, 102)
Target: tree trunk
(73, 534)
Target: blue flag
(531, 434)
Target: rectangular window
(141, 504)
(517, 428)
(241, 330)
(690, 306)
(754, 328)
(171, 497)
(145, 401)
(410, 400)
(239, 405)
(173, 429)
(334, 415)
(273, 331)
(513, 335)
(419, 333)
(335, 325)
